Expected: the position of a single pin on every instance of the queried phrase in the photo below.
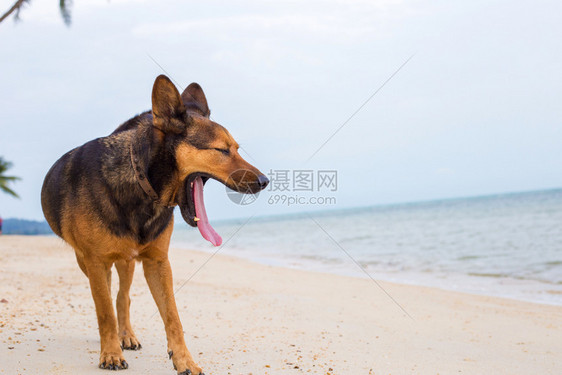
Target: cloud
(336, 21)
(275, 36)
(444, 171)
(324, 26)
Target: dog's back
(96, 180)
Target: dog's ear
(168, 109)
(193, 96)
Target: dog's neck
(142, 179)
(165, 199)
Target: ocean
(506, 245)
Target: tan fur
(78, 204)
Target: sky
(475, 110)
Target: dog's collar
(142, 179)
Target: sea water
(503, 245)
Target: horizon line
(364, 207)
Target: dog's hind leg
(127, 337)
(111, 356)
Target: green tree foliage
(6, 180)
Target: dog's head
(203, 149)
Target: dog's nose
(263, 181)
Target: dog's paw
(113, 361)
(184, 364)
(188, 372)
(129, 341)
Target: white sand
(244, 318)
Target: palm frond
(64, 6)
(5, 180)
(6, 189)
(4, 165)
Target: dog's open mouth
(196, 214)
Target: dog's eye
(223, 151)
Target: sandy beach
(244, 318)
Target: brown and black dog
(113, 198)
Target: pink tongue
(203, 225)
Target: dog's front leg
(158, 274)
(127, 337)
(111, 356)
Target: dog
(112, 199)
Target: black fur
(96, 184)
(99, 178)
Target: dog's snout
(263, 181)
